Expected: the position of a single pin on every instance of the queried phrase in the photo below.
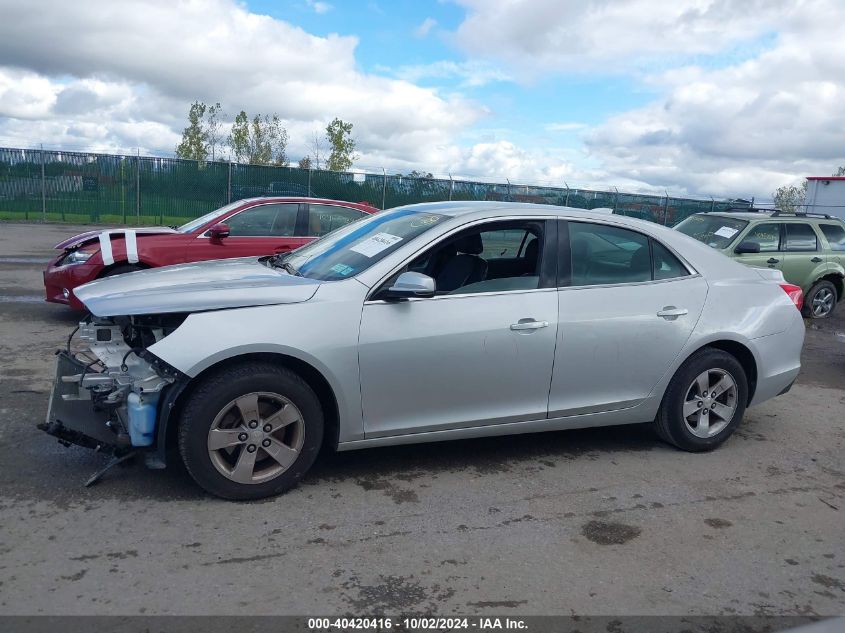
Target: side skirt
(644, 412)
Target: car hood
(214, 285)
(90, 236)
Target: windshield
(355, 247)
(714, 230)
(193, 225)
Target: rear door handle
(670, 313)
(281, 248)
(772, 260)
(529, 324)
(816, 260)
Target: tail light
(795, 294)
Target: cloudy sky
(702, 97)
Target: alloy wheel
(256, 437)
(710, 403)
(823, 302)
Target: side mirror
(218, 231)
(747, 247)
(411, 284)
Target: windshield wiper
(289, 268)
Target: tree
(840, 171)
(317, 151)
(194, 137)
(305, 162)
(790, 198)
(339, 137)
(262, 141)
(214, 131)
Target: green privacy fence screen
(126, 189)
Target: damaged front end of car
(112, 395)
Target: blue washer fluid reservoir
(142, 417)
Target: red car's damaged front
(254, 227)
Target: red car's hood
(90, 236)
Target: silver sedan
(424, 323)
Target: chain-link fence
(125, 189)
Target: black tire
(817, 287)
(670, 424)
(212, 396)
(123, 268)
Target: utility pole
(383, 187)
(138, 182)
(229, 185)
(43, 188)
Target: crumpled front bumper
(75, 418)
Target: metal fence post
(383, 187)
(229, 185)
(566, 201)
(666, 208)
(43, 188)
(309, 178)
(712, 204)
(616, 200)
(451, 187)
(138, 182)
(509, 189)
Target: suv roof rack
(741, 210)
(802, 214)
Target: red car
(253, 227)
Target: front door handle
(816, 260)
(528, 324)
(772, 260)
(670, 313)
(279, 249)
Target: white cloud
(469, 73)
(537, 35)
(125, 73)
(425, 27)
(319, 7)
(725, 124)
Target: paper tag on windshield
(726, 232)
(376, 244)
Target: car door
(263, 229)
(802, 263)
(476, 355)
(768, 236)
(627, 307)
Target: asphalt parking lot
(587, 522)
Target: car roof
(302, 199)
(457, 208)
(768, 215)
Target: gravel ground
(603, 521)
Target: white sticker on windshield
(726, 231)
(376, 244)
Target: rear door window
(604, 254)
(800, 237)
(325, 218)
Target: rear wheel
(820, 300)
(704, 403)
(251, 431)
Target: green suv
(809, 249)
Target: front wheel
(251, 431)
(704, 403)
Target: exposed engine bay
(107, 395)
